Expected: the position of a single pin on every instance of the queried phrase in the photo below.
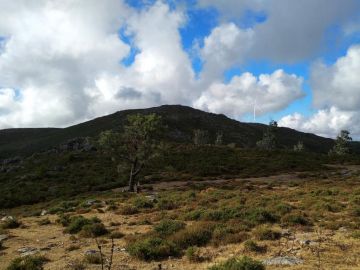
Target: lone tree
(299, 147)
(201, 137)
(137, 144)
(341, 146)
(268, 142)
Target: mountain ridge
(181, 121)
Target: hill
(181, 121)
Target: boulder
(283, 261)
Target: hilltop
(181, 122)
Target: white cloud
(226, 46)
(237, 98)
(53, 51)
(293, 30)
(336, 95)
(326, 122)
(60, 64)
(336, 92)
(339, 84)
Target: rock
(307, 242)
(7, 218)
(283, 261)
(91, 252)
(27, 251)
(3, 237)
(91, 202)
(342, 229)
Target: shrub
(76, 224)
(265, 233)
(193, 254)
(356, 235)
(284, 208)
(295, 219)
(227, 235)
(143, 202)
(166, 204)
(44, 221)
(252, 246)
(167, 227)
(93, 258)
(28, 263)
(244, 263)
(152, 248)
(194, 215)
(117, 235)
(93, 230)
(128, 210)
(260, 216)
(196, 235)
(10, 223)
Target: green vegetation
(136, 145)
(168, 227)
(152, 248)
(87, 227)
(244, 263)
(28, 263)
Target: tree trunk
(132, 177)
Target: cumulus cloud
(336, 93)
(270, 93)
(326, 122)
(52, 52)
(60, 63)
(226, 46)
(292, 30)
(338, 84)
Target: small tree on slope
(137, 144)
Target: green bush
(244, 263)
(167, 227)
(76, 224)
(195, 235)
(356, 235)
(93, 230)
(143, 202)
(261, 216)
(193, 254)
(152, 248)
(28, 263)
(166, 204)
(295, 219)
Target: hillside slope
(181, 122)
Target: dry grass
(230, 211)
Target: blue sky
(297, 60)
